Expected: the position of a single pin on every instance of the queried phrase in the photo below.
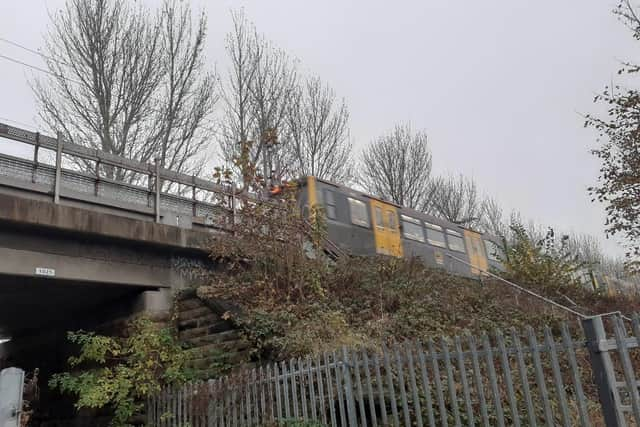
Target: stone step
(198, 322)
(232, 358)
(189, 304)
(193, 312)
(217, 348)
(213, 328)
(218, 337)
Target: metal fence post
(56, 185)
(348, 389)
(36, 150)
(603, 371)
(158, 189)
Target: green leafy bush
(548, 263)
(118, 373)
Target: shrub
(119, 373)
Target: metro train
(362, 224)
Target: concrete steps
(213, 345)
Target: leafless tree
(265, 100)
(319, 131)
(455, 199)
(128, 81)
(397, 167)
(272, 90)
(187, 90)
(492, 220)
(259, 88)
(239, 122)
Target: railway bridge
(87, 237)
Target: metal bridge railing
(77, 172)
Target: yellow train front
(365, 225)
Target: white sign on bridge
(43, 271)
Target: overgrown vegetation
(294, 302)
(119, 373)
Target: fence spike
(437, 382)
(332, 403)
(348, 388)
(557, 376)
(627, 367)
(477, 376)
(542, 386)
(465, 382)
(276, 379)
(401, 386)
(426, 386)
(508, 379)
(450, 381)
(294, 388)
(303, 392)
(372, 403)
(312, 391)
(323, 411)
(360, 393)
(339, 389)
(497, 398)
(392, 392)
(383, 406)
(413, 384)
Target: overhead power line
(42, 70)
(35, 52)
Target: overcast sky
(498, 85)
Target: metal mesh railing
(91, 175)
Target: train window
(456, 243)
(391, 216)
(379, 222)
(411, 228)
(494, 252)
(330, 204)
(435, 236)
(358, 212)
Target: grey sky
(496, 84)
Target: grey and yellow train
(362, 224)
(365, 225)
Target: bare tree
(319, 132)
(272, 90)
(260, 85)
(266, 103)
(239, 121)
(397, 167)
(455, 199)
(492, 220)
(187, 91)
(128, 81)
